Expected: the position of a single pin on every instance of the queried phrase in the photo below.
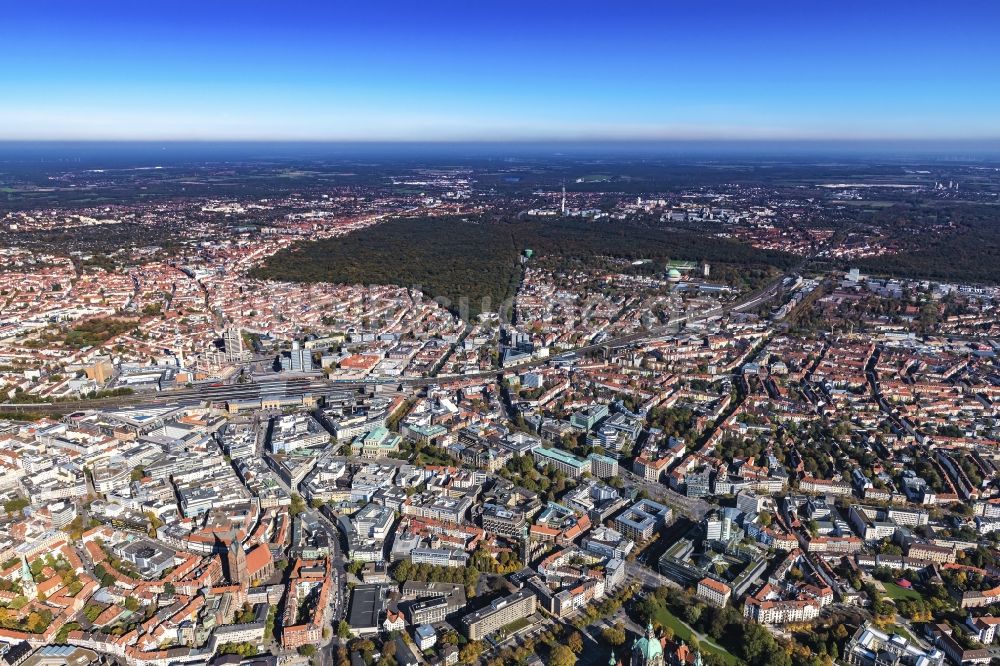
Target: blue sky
(483, 70)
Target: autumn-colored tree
(562, 656)
(613, 636)
(471, 652)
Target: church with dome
(649, 650)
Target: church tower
(28, 588)
(236, 563)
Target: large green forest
(952, 243)
(477, 262)
(448, 258)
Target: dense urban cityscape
(448, 333)
(686, 425)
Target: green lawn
(897, 593)
(899, 630)
(684, 632)
(514, 626)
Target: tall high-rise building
(233, 340)
(298, 360)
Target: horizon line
(536, 140)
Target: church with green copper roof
(646, 650)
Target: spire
(28, 588)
